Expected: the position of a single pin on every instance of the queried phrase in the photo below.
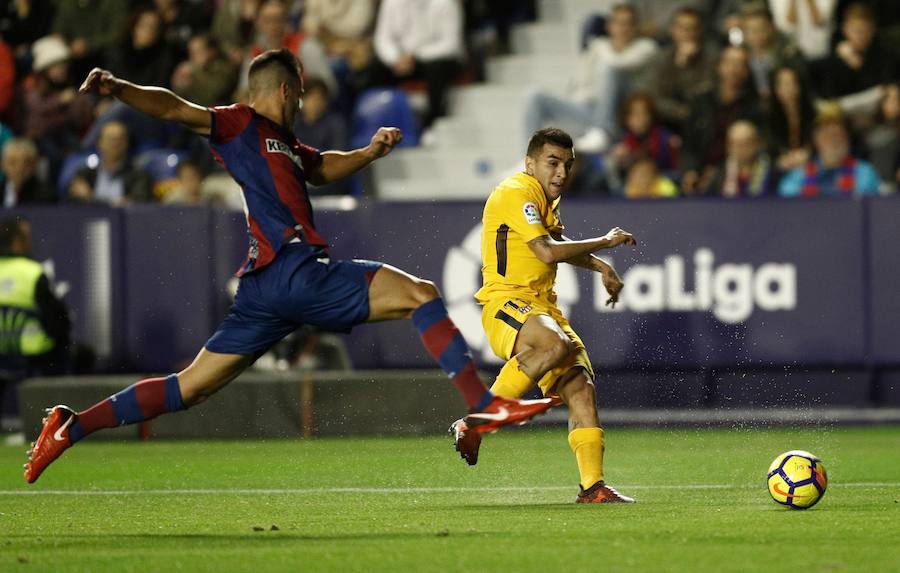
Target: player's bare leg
(142, 401)
(576, 389)
(394, 294)
(209, 373)
(541, 345)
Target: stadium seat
(383, 107)
(593, 27)
(160, 164)
(72, 165)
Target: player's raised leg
(586, 437)
(139, 402)
(540, 345)
(394, 294)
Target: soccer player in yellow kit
(521, 244)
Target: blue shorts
(301, 286)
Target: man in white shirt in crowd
(422, 39)
(602, 76)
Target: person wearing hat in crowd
(54, 113)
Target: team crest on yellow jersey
(522, 308)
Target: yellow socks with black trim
(587, 443)
(511, 382)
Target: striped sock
(446, 345)
(141, 401)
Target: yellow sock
(587, 443)
(511, 382)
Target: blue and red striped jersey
(271, 166)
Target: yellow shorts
(502, 319)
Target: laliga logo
(730, 291)
(462, 277)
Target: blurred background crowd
(666, 98)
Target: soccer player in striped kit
(288, 278)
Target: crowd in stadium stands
(734, 98)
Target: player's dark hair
(282, 62)
(551, 135)
(10, 230)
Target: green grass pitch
(409, 504)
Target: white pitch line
(402, 490)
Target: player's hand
(101, 81)
(617, 236)
(613, 285)
(384, 140)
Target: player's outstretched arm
(611, 280)
(157, 102)
(339, 164)
(550, 250)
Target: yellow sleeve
(523, 212)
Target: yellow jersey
(517, 212)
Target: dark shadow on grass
(262, 537)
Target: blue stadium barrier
(713, 284)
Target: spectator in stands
(643, 136)
(657, 14)
(90, 29)
(834, 171)
(712, 112)
(343, 27)
(681, 70)
(113, 179)
(181, 21)
(747, 169)
(883, 139)
(55, 114)
(207, 77)
(142, 54)
(22, 22)
(35, 330)
(318, 126)
(273, 30)
(790, 118)
(767, 48)
(807, 22)
(233, 27)
(604, 71)
(644, 181)
(22, 186)
(188, 189)
(859, 65)
(422, 39)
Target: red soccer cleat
(601, 493)
(467, 441)
(503, 411)
(52, 442)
